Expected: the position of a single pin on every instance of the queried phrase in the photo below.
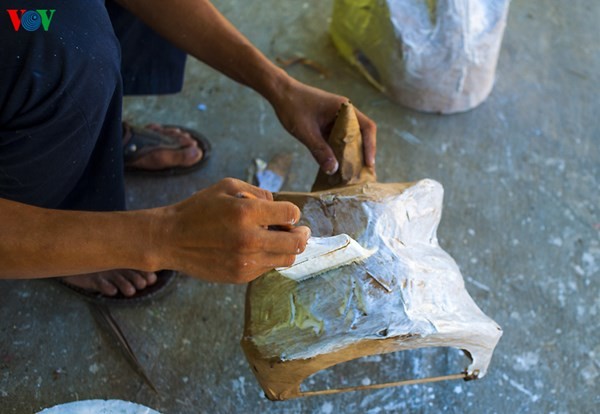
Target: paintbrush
(321, 253)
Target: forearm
(197, 27)
(38, 242)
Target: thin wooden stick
(386, 385)
(103, 315)
(284, 63)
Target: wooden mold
(408, 294)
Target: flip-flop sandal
(165, 283)
(141, 141)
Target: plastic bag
(430, 55)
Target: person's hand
(309, 113)
(221, 234)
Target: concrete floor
(522, 178)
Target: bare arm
(214, 235)
(39, 242)
(197, 27)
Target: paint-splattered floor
(522, 179)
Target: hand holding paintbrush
(223, 233)
(273, 227)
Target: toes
(105, 287)
(188, 155)
(184, 157)
(109, 283)
(161, 159)
(191, 155)
(183, 138)
(128, 282)
(124, 285)
(150, 277)
(136, 279)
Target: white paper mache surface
(99, 407)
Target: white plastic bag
(430, 55)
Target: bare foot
(111, 282)
(187, 155)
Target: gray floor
(522, 178)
